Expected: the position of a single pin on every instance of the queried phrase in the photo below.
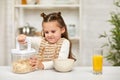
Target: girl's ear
(63, 30)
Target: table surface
(78, 73)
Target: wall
(95, 14)
(2, 33)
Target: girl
(53, 44)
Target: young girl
(53, 44)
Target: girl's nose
(50, 34)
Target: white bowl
(63, 65)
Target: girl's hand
(40, 65)
(36, 64)
(33, 63)
(21, 38)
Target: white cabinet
(30, 13)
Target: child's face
(52, 31)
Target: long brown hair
(57, 17)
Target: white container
(20, 58)
(72, 30)
(63, 65)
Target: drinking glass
(97, 59)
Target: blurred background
(85, 19)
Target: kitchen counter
(78, 73)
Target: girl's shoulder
(65, 40)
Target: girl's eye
(53, 31)
(46, 32)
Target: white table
(78, 73)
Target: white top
(63, 54)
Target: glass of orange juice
(97, 60)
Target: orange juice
(97, 63)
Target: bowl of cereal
(63, 65)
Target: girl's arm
(35, 42)
(63, 54)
